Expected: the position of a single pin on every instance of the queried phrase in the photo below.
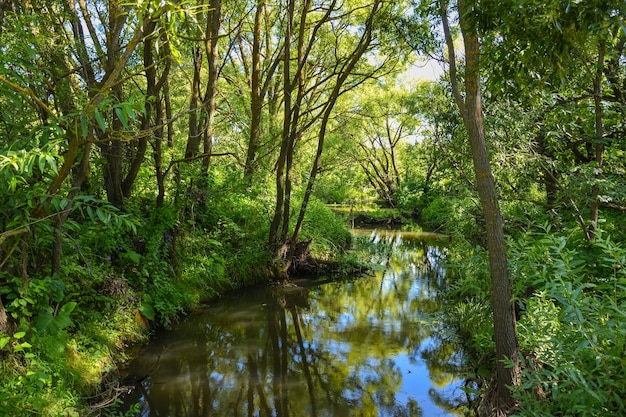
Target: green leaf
(623, 25)
(132, 256)
(69, 307)
(52, 163)
(121, 115)
(19, 335)
(45, 323)
(147, 310)
(22, 346)
(84, 126)
(42, 164)
(62, 320)
(102, 216)
(3, 341)
(100, 120)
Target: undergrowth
(571, 299)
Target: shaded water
(369, 346)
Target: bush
(328, 231)
(574, 328)
(460, 217)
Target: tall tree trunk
(599, 137)
(294, 130)
(113, 149)
(275, 240)
(194, 135)
(505, 331)
(256, 102)
(152, 95)
(212, 35)
(168, 114)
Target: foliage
(110, 224)
(327, 230)
(472, 319)
(573, 326)
(459, 217)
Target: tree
(470, 107)
(264, 63)
(202, 107)
(385, 125)
(319, 90)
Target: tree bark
(212, 35)
(194, 135)
(152, 95)
(256, 102)
(599, 138)
(505, 331)
(275, 240)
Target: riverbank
(74, 331)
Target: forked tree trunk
(276, 239)
(342, 76)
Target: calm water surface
(369, 346)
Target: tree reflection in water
(371, 346)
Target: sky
(424, 70)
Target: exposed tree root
(490, 404)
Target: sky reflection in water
(371, 346)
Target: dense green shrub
(571, 296)
(410, 196)
(327, 230)
(574, 328)
(454, 216)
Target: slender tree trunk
(194, 135)
(168, 114)
(212, 35)
(599, 137)
(112, 150)
(294, 130)
(505, 331)
(158, 153)
(152, 95)
(274, 238)
(256, 102)
(163, 109)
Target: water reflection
(370, 346)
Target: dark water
(369, 346)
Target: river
(366, 346)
